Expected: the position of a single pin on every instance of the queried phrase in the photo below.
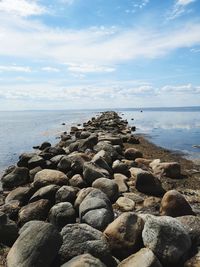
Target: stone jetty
(95, 200)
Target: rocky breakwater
(94, 200)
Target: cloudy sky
(63, 54)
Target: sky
(75, 54)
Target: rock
(121, 181)
(48, 177)
(147, 183)
(132, 154)
(142, 161)
(22, 194)
(114, 140)
(169, 169)
(24, 158)
(33, 172)
(19, 176)
(64, 164)
(108, 148)
(174, 204)
(109, 187)
(84, 134)
(88, 143)
(37, 210)
(8, 230)
(44, 145)
(120, 167)
(191, 224)
(152, 201)
(102, 164)
(36, 161)
(194, 261)
(103, 154)
(82, 238)
(143, 258)
(66, 194)
(168, 239)
(77, 181)
(77, 160)
(125, 204)
(61, 214)
(38, 246)
(85, 260)
(11, 209)
(47, 192)
(134, 197)
(124, 234)
(81, 196)
(91, 172)
(96, 210)
(56, 159)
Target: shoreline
(97, 177)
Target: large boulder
(168, 239)
(132, 153)
(149, 184)
(64, 164)
(37, 246)
(85, 260)
(77, 181)
(22, 194)
(91, 172)
(66, 194)
(109, 187)
(48, 177)
(61, 214)
(169, 169)
(8, 230)
(124, 234)
(174, 204)
(120, 167)
(82, 238)
(36, 161)
(194, 261)
(19, 176)
(191, 224)
(37, 210)
(47, 192)
(103, 154)
(106, 146)
(96, 210)
(143, 258)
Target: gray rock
(77, 181)
(132, 154)
(8, 230)
(108, 148)
(82, 238)
(120, 167)
(107, 186)
(85, 260)
(191, 224)
(121, 181)
(24, 158)
(169, 169)
(48, 177)
(47, 192)
(44, 145)
(81, 196)
(37, 210)
(37, 246)
(101, 162)
(96, 210)
(91, 172)
(194, 261)
(66, 194)
(33, 172)
(124, 234)
(64, 164)
(22, 194)
(143, 258)
(36, 161)
(103, 154)
(19, 176)
(167, 238)
(61, 214)
(11, 209)
(147, 183)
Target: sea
(177, 129)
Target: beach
(99, 178)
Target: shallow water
(177, 129)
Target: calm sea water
(176, 128)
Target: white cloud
(94, 47)
(179, 8)
(180, 89)
(50, 69)
(22, 8)
(14, 68)
(89, 68)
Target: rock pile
(93, 200)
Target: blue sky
(65, 54)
